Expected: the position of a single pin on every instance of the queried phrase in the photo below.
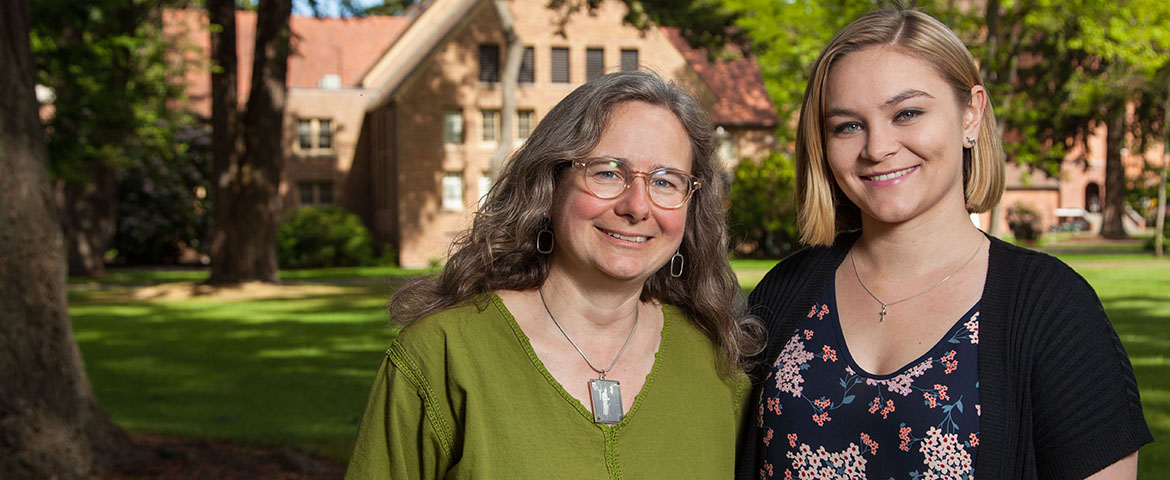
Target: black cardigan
(1058, 394)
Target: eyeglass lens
(609, 178)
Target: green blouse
(461, 394)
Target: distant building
(396, 118)
(1072, 200)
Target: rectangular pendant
(607, 401)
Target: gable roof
(346, 47)
(743, 99)
(433, 22)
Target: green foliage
(323, 237)
(164, 204)
(762, 216)
(105, 62)
(1024, 222)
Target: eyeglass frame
(692, 181)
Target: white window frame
(315, 132)
(452, 191)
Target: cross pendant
(883, 317)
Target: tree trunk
(508, 83)
(1160, 223)
(50, 423)
(89, 219)
(247, 181)
(992, 72)
(1113, 208)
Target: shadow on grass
(269, 372)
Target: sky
(328, 8)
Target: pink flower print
(942, 391)
(792, 440)
(822, 403)
(821, 418)
(787, 474)
(774, 405)
(828, 354)
(950, 362)
(768, 438)
(872, 444)
(944, 456)
(875, 405)
(901, 383)
(824, 311)
(973, 327)
(767, 469)
(974, 440)
(888, 409)
(808, 334)
(930, 399)
(813, 311)
(788, 376)
(904, 435)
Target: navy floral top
(822, 416)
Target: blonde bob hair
(824, 211)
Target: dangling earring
(545, 239)
(676, 264)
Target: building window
(629, 60)
(491, 126)
(489, 63)
(559, 58)
(315, 193)
(315, 135)
(485, 184)
(594, 63)
(453, 191)
(453, 126)
(525, 120)
(527, 67)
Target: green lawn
(296, 371)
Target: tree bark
(1160, 223)
(50, 423)
(247, 174)
(508, 84)
(1113, 208)
(89, 217)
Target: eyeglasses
(608, 178)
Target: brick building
(397, 118)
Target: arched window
(1092, 198)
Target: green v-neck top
(462, 394)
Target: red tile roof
(321, 46)
(743, 99)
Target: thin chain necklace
(606, 395)
(853, 259)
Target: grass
(296, 371)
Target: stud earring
(970, 142)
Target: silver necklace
(605, 395)
(882, 318)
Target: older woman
(584, 326)
(906, 343)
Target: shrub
(762, 215)
(1024, 222)
(329, 236)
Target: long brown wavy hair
(499, 251)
